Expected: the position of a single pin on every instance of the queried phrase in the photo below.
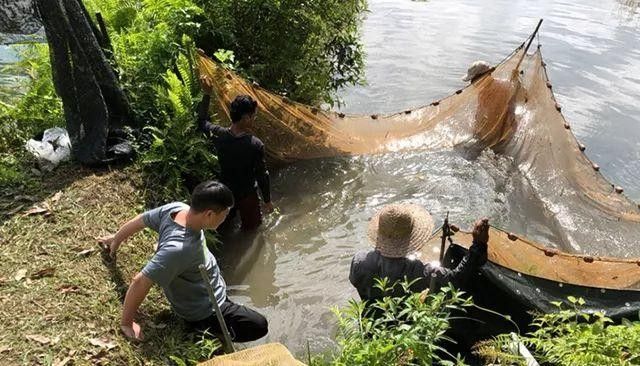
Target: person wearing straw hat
(398, 232)
(476, 70)
(495, 112)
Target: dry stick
(226, 338)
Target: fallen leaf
(86, 252)
(62, 362)
(56, 197)
(5, 349)
(72, 352)
(46, 272)
(22, 273)
(36, 210)
(3, 280)
(156, 326)
(68, 289)
(42, 339)
(103, 343)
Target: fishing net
(263, 355)
(293, 131)
(528, 257)
(511, 110)
(522, 276)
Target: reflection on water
(8, 80)
(297, 268)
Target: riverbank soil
(60, 300)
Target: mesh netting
(530, 258)
(293, 131)
(263, 355)
(513, 112)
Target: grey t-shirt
(174, 266)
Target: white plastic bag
(54, 148)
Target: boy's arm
(204, 123)
(204, 120)
(111, 243)
(262, 177)
(138, 290)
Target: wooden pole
(533, 35)
(226, 337)
(445, 233)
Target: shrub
(39, 108)
(409, 330)
(572, 337)
(178, 153)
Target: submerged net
(511, 110)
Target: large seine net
(511, 110)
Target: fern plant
(179, 157)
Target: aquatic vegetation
(571, 337)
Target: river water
(297, 268)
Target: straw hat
(476, 69)
(400, 229)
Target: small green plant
(193, 353)
(407, 330)
(570, 336)
(179, 156)
(227, 58)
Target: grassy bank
(59, 300)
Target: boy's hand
(268, 207)
(109, 245)
(133, 332)
(206, 84)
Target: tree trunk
(83, 78)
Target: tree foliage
(306, 49)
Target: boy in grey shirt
(174, 266)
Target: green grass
(81, 299)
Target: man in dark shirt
(240, 155)
(398, 232)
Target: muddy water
(297, 268)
